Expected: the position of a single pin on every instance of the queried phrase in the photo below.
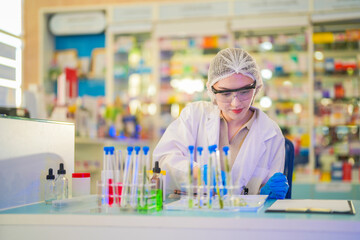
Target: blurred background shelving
(282, 57)
(336, 95)
(184, 62)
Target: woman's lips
(236, 111)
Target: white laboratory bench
(41, 222)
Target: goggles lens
(243, 94)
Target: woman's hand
(276, 187)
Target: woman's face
(234, 105)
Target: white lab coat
(261, 155)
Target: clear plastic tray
(240, 203)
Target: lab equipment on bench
(219, 183)
(107, 176)
(200, 187)
(157, 180)
(135, 177)
(135, 192)
(190, 176)
(219, 194)
(61, 184)
(50, 192)
(80, 184)
(229, 180)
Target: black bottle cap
(61, 169)
(50, 176)
(156, 169)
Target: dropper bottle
(157, 180)
(49, 192)
(61, 184)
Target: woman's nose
(235, 100)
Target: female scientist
(256, 142)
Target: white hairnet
(229, 61)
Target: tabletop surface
(42, 208)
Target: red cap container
(80, 184)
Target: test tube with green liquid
(191, 163)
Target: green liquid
(152, 202)
(159, 200)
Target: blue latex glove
(276, 187)
(223, 178)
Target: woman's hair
(230, 61)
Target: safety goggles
(243, 93)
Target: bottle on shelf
(61, 184)
(49, 192)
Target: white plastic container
(80, 184)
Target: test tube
(135, 177)
(125, 177)
(147, 165)
(104, 198)
(208, 176)
(111, 182)
(200, 175)
(229, 181)
(219, 184)
(146, 162)
(119, 166)
(118, 175)
(191, 163)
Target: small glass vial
(61, 184)
(50, 193)
(158, 181)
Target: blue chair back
(289, 164)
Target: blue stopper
(214, 147)
(191, 149)
(137, 150)
(226, 150)
(200, 149)
(106, 150)
(111, 150)
(146, 149)
(130, 149)
(210, 149)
